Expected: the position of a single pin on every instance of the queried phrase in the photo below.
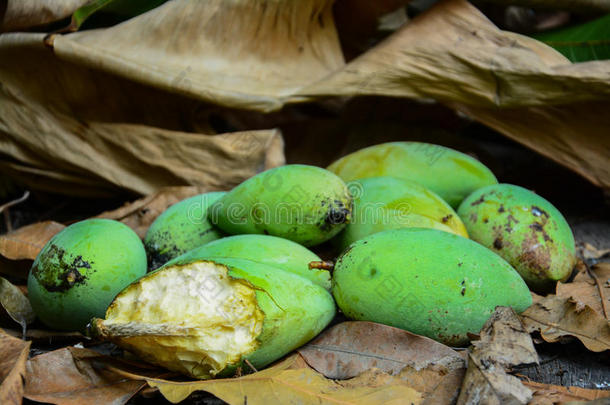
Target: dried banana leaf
(244, 54)
(69, 129)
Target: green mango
(383, 203)
(426, 281)
(203, 318)
(80, 270)
(449, 173)
(180, 228)
(305, 204)
(271, 250)
(523, 228)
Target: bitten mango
(203, 318)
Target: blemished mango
(426, 281)
(384, 203)
(271, 250)
(305, 204)
(449, 173)
(180, 228)
(80, 270)
(203, 318)
(523, 228)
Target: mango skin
(81, 269)
(450, 174)
(266, 249)
(295, 311)
(384, 203)
(305, 204)
(426, 281)
(523, 228)
(180, 228)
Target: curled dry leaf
(13, 356)
(590, 287)
(79, 376)
(555, 317)
(546, 394)
(291, 381)
(27, 241)
(351, 348)
(503, 343)
(15, 305)
(23, 14)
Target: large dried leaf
(244, 53)
(72, 376)
(555, 317)
(291, 381)
(590, 287)
(13, 356)
(75, 130)
(15, 304)
(546, 394)
(22, 14)
(503, 343)
(27, 241)
(350, 348)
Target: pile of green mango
(424, 239)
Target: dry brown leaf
(546, 394)
(290, 382)
(504, 340)
(27, 241)
(15, 305)
(350, 348)
(17, 15)
(275, 49)
(80, 138)
(589, 287)
(555, 317)
(13, 356)
(139, 214)
(503, 343)
(80, 376)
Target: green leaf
(589, 41)
(109, 12)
